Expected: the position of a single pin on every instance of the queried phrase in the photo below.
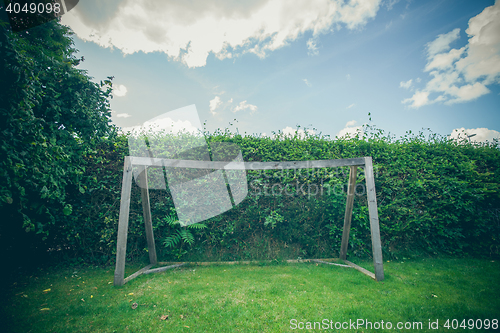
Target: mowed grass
(256, 298)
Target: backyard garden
(60, 185)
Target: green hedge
(51, 113)
(434, 196)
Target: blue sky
(276, 64)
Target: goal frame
(353, 163)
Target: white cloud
(390, 3)
(478, 134)
(348, 77)
(243, 106)
(133, 129)
(461, 75)
(307, 82)
(288, 131)
(120, 90)
(483, 58)
(173, 126)
(119, 115)
(123, 115)
(218, 104)
(350, 131)
(188, 31)
(406, 84)
(442, 42)
(214, 104)
(184, 119)
(350, 106)
(467, 92)
(444, 61)
(312, 47)
(419, 99)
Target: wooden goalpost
(353, 163)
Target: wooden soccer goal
(353, 163)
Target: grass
(255, 298)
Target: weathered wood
(218, 165)
(348, 211)
(136, 274)
(374, 222)
(361, 269)
(121, 246)
(158, 162)
(162, 269)
(146, 211)
(330, 263)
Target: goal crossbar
(353, 163)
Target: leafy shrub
(434, 196)
(51, 115)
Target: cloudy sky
(319, 64)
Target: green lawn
(256, 298)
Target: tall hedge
(51, 113)
(435, 196)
